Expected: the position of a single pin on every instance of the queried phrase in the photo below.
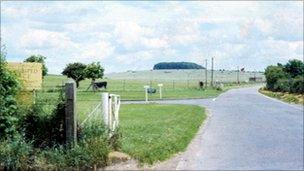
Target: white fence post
(160, 90)
(105, 108)
(146, 92)
(110, 124)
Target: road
(246, 131)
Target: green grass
(284, 96)
(154, 132)
(131, 89)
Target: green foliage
(39, 59)
(92, 152)
(44, 128)
(177, 65)
(273, 74)
(286, 78)
(294, 68)
(15, 153)
(75, 71)
(115, 140)
(9, 87)
(283, 85)
(94, 71)
(298, 85)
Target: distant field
(130, 86)
(183, 75)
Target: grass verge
(154, 132)
(284, 96)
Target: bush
(9, 87)
(294, 68)
(15, 153)
(298, 85)
(273, 74)
(282, 85)
(44, 129)
(286, 78)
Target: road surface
(246, 131)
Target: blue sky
(136, 35)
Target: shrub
(294, 68)
(9, 87)
(44, 128)
(286, 78)
(50, 159)
(15, 153)
(273, 74)
(298, 85)
(282, 85)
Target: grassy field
(183, 75)
(131, 88)
(154, 132)
(284, 96)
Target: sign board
(29, 73)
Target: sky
(136, 35)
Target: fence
(106, 110)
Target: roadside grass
(155, 132)
(284, 96)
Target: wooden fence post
(70, 113)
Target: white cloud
(130, 35)
(96, 51)
(43, 39)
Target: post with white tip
(160, 91)
(105, 108)
(146, 92)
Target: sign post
(160, 90)
(146, 92)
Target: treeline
(177, 65)
(286, 78)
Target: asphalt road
(246, 131)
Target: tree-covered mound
(177, 65)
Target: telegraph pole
(211, 83)
(238, 75)
(206, 78)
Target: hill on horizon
(177, 65)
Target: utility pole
(206, 73)
(211, 83)
(238, 75)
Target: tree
(94, 71)
(75, 71)
(273, 74)
(294, 68)
(39, 59)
